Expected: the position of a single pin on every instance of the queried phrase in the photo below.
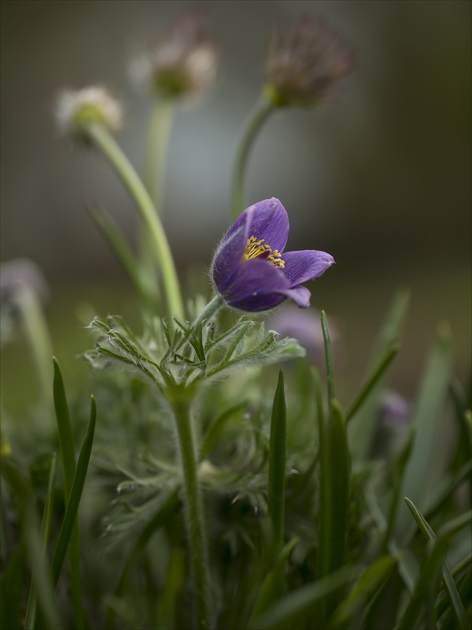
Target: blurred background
(380, 177)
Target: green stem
(256, 120)
(160, 127)
(101, 138)
(193, 512)
(208, 312)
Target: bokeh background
(380, 177)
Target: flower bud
(305, 60)
(184, 64)
(75, 109)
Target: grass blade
(30, 616)
(41, 575)
(11, 590)
(117, 243)
(364, 589)
(277, 456)
(446, 532)
(68, 462)
(303, 601)
(328, 356)
(418, 480)
(364, 428)
(75, 496)
(375, 378)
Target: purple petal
(257, 286)
(266, 220)
(300, 295)
(228, 258)
(306, 265)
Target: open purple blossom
(250, 269)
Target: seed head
(92, 104)
(305, 60)
(183, 64)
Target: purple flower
(250, 269)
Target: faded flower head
(250, 269)
(18, 274)
(91, 104)
(184, 64)
(305, 60)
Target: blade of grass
(117, 243)
(445, 494)
(277, 457)
(75, 496)
(369, 386)
(303, 601)
(328, 356)
(68, 463)
(30, 617)
(269, 592)
(363, 590)
(446, 532)
(11, 587)
(215, 428)
(418, 479)
(363, 429)
(29, 527)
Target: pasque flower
(305, 60)
(250, 269)
(183, 64)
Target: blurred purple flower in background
(250, 269)
(305, 327)
(305, 60)
(395, 410)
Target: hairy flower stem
(160, 126)
(193, 512)
(104, 141)
(261, 113)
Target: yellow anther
(255, 248)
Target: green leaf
(372, 381)
(118, 245)
(216, 427)
(418, 479)
(277, 456)
(334, 493)
(303, 601)
(11, 590)
(30, 617)
(270, 591)
(21, 487)
(75, 496)
(328, 356)
(438, 544)
(364, 589)
(68, 463)
(364, 426)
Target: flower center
(255, 248)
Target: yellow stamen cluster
(255, 248)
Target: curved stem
(102, 139)
(256, 120)
(193, 512)
(160, 126)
